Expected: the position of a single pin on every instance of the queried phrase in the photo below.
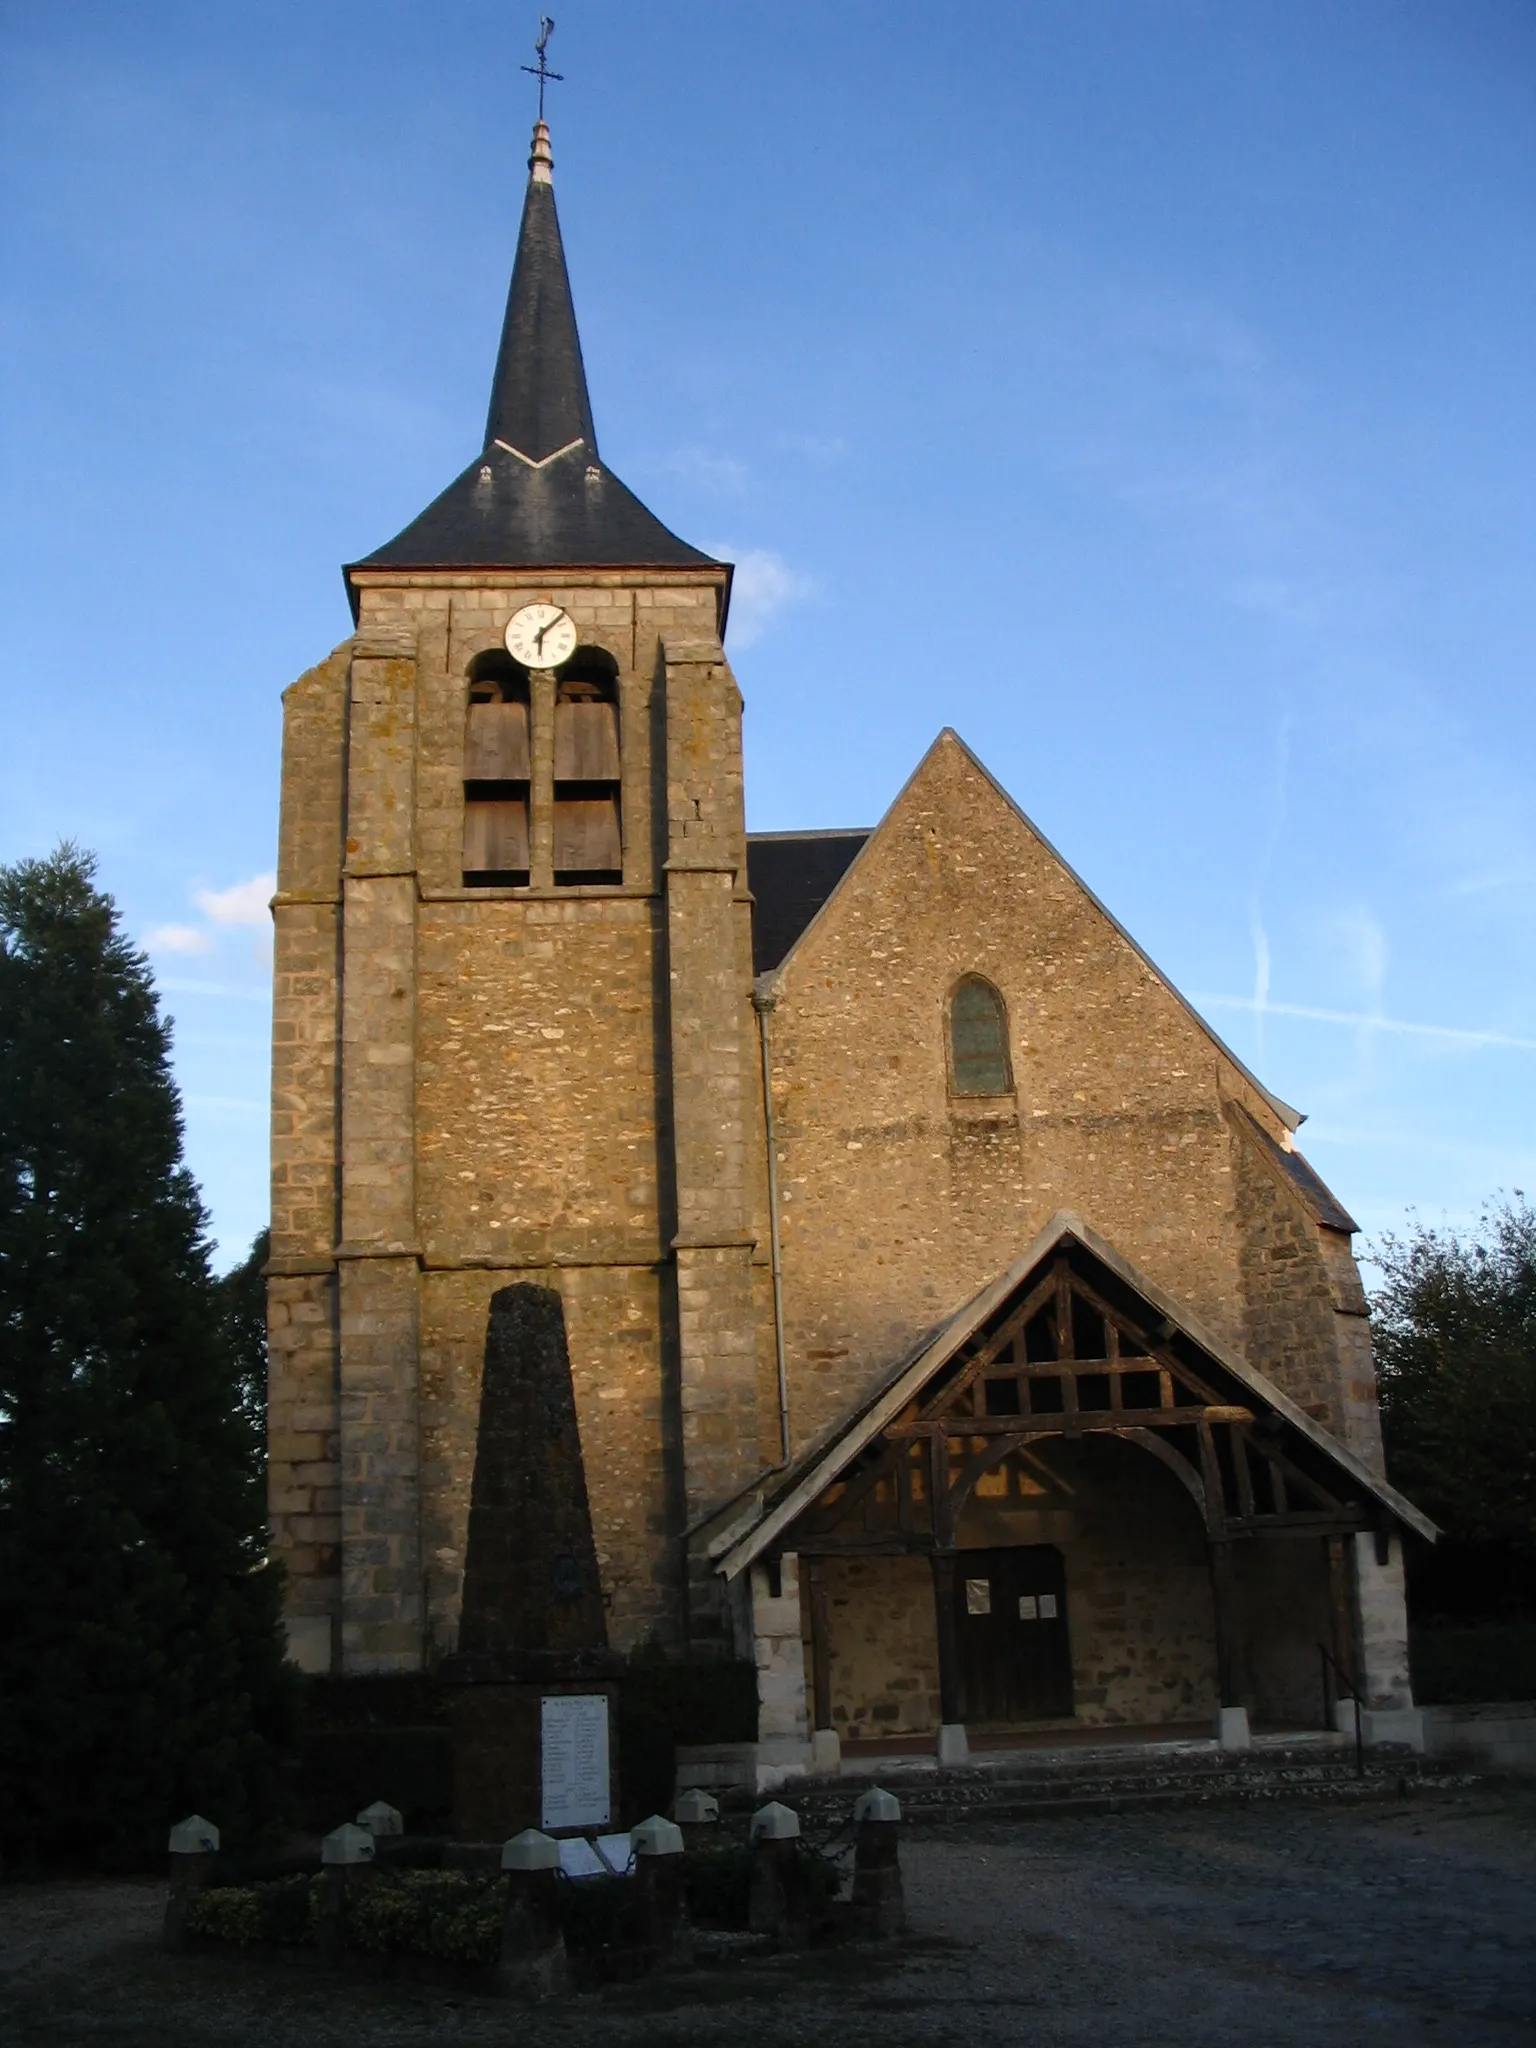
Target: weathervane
(541, 70)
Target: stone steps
(1021, 1785)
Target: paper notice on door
(574, 1760)
(978, 1596)
(1027, 1607)
(1047, 1606)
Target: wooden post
(346, 1861)
(532, 1962)
(658, 1852)
(1341, 1609)
(878, 1905)
(821, 1656)
(943, 1562)
(777, 1904)
(194, 1844)
(1231, 1663)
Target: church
(955, 1330)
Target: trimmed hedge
(286, 1913)
(429, 1913)
(457, 1918)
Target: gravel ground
(1279, 1927)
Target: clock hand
(549, 628)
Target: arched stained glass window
(978, 1039)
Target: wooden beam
(1295, 1525)
(1080, 1422)
(1215, 1491)
(943, 1562)
(1231, 1661)
(821, 1648)
(1238, 1440)
(1341, 1607)
(992, 1349)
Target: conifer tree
(140, 1668)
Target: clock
(541, 635)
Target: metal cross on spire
(541, 70)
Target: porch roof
(776, 1509)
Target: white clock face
(541, 635)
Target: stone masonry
(473, 1086)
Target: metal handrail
(1333, 1669)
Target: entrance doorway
(1015, 1653)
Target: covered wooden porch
(1069, 1441)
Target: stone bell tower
(513, 1036)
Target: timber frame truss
(1070, 1356)
(1070, 1343)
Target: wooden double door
(1012, 1642)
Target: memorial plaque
(573, 1757)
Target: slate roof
(538, 495)
(791, 875)
(1320, 1199)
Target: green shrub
(286, 1912)
(429, 1913)
(227, 1913)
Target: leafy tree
(1455, 1335)
(140, 1667)
(243, 1298)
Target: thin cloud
(721, 474)
(1356, 1020)
(224, 990)
(244, 903)
(178, 938)
(764, 586)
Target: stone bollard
(698, 1815)
(193, 1845)
(777, 1903)
(658, 1846)
(382, 1819)
(346, 1861)
(533, 1961)
(878, 1906)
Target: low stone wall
(1499, 1736)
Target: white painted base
(954, 1745)
(826, 1753)
(1232, 1730)
(1344, 1717)
(1403, 1726)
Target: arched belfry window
(588, 838)
(978, 1039)
(496, 774)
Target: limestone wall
(1138, 1600)
(476, 1085)
(901, 1198)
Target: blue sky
(1180, 353)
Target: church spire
(539, 400)
(538, 495)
